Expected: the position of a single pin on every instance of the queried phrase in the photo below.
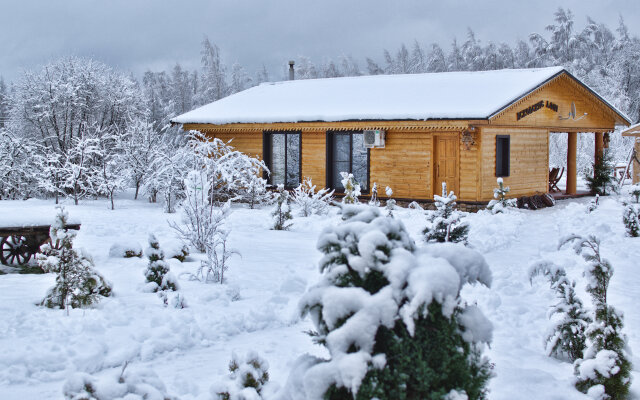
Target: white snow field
(257, 308)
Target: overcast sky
(136, 35)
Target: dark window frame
(503, 157)
(330, 158)
(267, 155)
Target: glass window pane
(340, 149)
(293, 159)
(277, 158)
(359, 168)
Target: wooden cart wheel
(14, 250)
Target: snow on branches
(500, 203)
(309, 202)
(391, 315)
(445, 224)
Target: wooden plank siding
(404, 164)
(314, 157)
(529, 161)
(249, 143)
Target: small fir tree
(500, 203)
(281, 213)
(631, 212)
(351, 188)
(605, 368)
(567, 338)
(246, 379)
(602, 178)
(391, 203)
(78, 284)
(374, 195)
(158, 273)
(414, 346)
(256, 192)
(445, 223)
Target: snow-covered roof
(447, 95)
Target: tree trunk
(111, 196)
(137, 189)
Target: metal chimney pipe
(291, 70)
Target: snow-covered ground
(257, 308)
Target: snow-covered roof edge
(560, 72)
(633, 130)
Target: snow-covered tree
(351, 188)
(247, 376)
(391, 203)
(605, 368)
(446, 223)
(593, 204)
(139, 144)
(310, 202)
(567, 337)
(391, 316)
(500, 203)
(281, 212)
(601, 178)
(78, 284)
(373, 201)
(158, 274)
(631, 212)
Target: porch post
(572, 173)
(599, 145)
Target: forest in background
(79, 128)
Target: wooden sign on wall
(538, 106)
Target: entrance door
(446, 164)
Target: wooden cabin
(634, 131)
(414, 132)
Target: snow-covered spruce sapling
(246, 379)
(78, 284)
(282, 212)
(351, 188)
(158, 274)
(567, 338)
(391, 315)
(631, 212)
(605, 368)
(256, 192)
(218, 254)
(391, 203)
(176, 301)
(593, 204)
(309, 202)
(128, 383)
(601, 178)
(374, 195)
(500, 203)
(445, 224)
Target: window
(502, 155)
(282, 154)
(346, 153)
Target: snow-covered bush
(125, 250)
(201, 219)
(176, 301)
(179, 251)
(374, 195)
(158, 274)
(246, 379)
(351, 188)
(567, 338)
(593, 204)
(310, 202)
(415, 206)
(605, 366)
(128, 384)
(78, 284)
(500, 203)
(391, 203)
(256, 192)
(391, 316)
(281, 212)
(631, 212)
(218, 254)
(445, 224)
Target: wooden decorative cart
(19, 244)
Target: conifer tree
(605, 368)
(567, 338)
(246, 379)
(374, 195)
(281, 213)
(391, 203)
(351, 188)
(158, 273)
(445, 223)
(386, 340)
(500, 203)
(631, 212)
(78, 285)
(602, 178)
(593, 204)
